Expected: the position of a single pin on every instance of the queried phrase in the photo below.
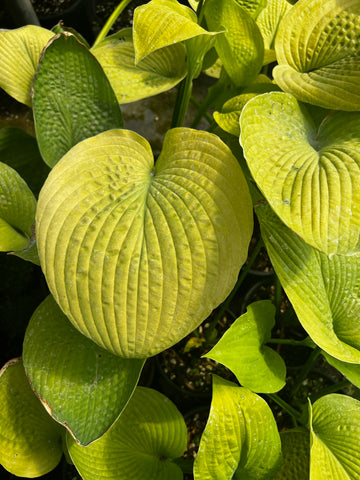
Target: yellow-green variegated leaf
(325, 292)
(141, 445)
(30, 440)
(161, 23)
(17, 210)
(318, 51)
(158, 72)
(138, 255)
(20, 51)
(310, 175)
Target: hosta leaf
(161, 23)
(268, 21)
(70, 104)
(20, 51)
(240, 47)
(253, 7)
(350, 370)
(17, 210)
(241, 440)
(242, 349)
(295, 446)
(335, 430)
(157, 73)
(318, 51)
(324, 292)
(310, 176)
(30, 441)
(141, 445)
(136, 255)
(82, 386)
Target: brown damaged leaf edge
(10, 363)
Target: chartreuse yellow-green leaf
(295, 446)
(20, 51)
(30, 440)
(350, 370)
(318, 50)
(137, 255)
(82, 386)
(335, 430)
(242, 349)
(309, 175)
(158, 72)
(325, 292)
(141, 445)
(72, 98)
(17, 210)
(241, 440)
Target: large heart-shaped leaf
(138, 255)
(318, 50)
(240, 47)
(69, 103)
(82, 386)
(241, 440)
(242, 349)
(309, 175)
(17, 210)
(335, 430)
(158, 72)
(148, 435)
(30, 441)
(20, 51)
(324, 291)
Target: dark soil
(45, 8)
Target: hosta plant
(139, 250)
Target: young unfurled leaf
(20, 51)
(30, 440)
(69, 103)
(158, 72)
(335, 430)
(148, 435)
(83, 387)
(310, 176)
(242, 349)
(241, 440)
(318, 51)
(137, 255)
(323, 291)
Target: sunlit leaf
(70, 104)
(81, 385)
(149, 434)
(137, 255)
(318, 51)
(241, 440)
(30, 441)
(309, 175)
(20, 51)
(242, 349)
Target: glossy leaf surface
(138, 255)
(318, 51)
(310, 176)
(242, 349)
(240, 440)
(335, 430)
(20, 51)
(141, 445)
(70, 103)
(82, 386)
(30, 441)
(158, 72)
(323, 291)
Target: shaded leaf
(350, 370)
(295, 446)
(82, 386)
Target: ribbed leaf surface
(295, 446)
(82, 386)
(309, 175)
(240, 440)
(318, 51)
(30, 441)
(140, 445)
(136, 255)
